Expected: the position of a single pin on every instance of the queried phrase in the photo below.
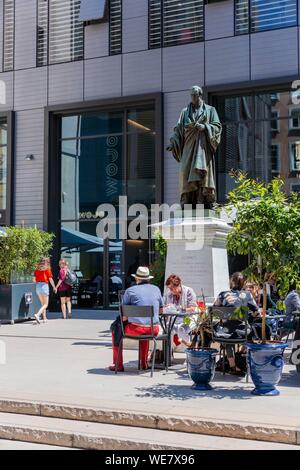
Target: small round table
(167, 321)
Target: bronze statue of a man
(193, 144)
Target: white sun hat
(143, 274)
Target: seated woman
(181, 296)
(237, 296)
(256, 291)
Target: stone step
(236, 429)
(18, 445)
(96, 436)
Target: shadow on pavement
(185, 392)
(290, 379)
(87, 315)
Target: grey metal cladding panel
(29, 174)
(219, 19)
(6, 91)
(96, 40)
(102, 77)
(183, 66)
(135, 34)
(135, 8)
(25, 34)
(227, 60)
(173, 105)
(65, 83)
(1, 35)
(30, 88)
(274, 53)
(142, 72)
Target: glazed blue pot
(201, 364)
(265, 362)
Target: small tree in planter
(266, 227)
(158, 267)
(20, 251)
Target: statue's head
(196, 94)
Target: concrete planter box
(18, 302)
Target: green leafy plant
(239, 313)
(280, 305)
(158, 267)
(21, 249)
(200, 326)
(266, 227)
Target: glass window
(8, 34)
(261, 136)
(91, 175)
(92, 125)
(295, 188)
(295, 156)
(264, 15)
(274, 120)
(3, 177)
(42, 32)
(141, 120)
(275, 159)
(241, 17)
(174, 22)
(141, 169)
(60, 35)
(3, 132)
(115, 27)
(295, 119)
(96, 154)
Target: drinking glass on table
(183, 306)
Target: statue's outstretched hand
(169, 148)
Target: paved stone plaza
(66, 362)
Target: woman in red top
(42, 277)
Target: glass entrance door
(85, 254)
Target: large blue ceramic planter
(201, 364)
(265, 363)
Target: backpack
(71, 278)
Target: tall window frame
(8, 47)
(115, 8)
(246, 10)
(51, 37)
(6, 216)
(161, 24)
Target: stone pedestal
(201, 263)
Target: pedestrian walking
(64, 289)
(42, 277)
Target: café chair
(143, 312)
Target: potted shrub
(266, 226)
(20, 251)
(201, 360)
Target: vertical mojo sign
(113, 168)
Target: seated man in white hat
(142, 294)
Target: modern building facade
(90, 91)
